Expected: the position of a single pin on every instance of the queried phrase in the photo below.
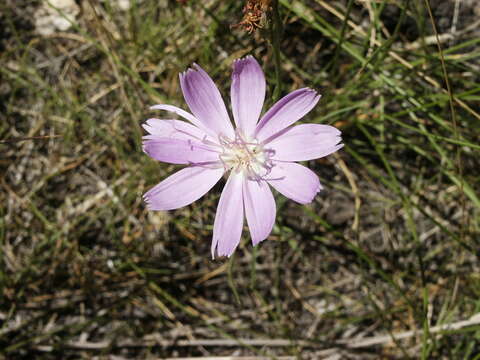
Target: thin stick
(275, 30)
(5, 141)
(155, 340)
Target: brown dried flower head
(254, 13)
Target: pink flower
(257, 153)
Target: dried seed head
(254, 13)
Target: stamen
(246, 155)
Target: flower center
(246, 155)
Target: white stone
(55, 15)
(124, 4)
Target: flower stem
(275, 34)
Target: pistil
(246, 155)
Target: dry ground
(384, 263)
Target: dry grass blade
(381, 264)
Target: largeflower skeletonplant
(259, 152)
